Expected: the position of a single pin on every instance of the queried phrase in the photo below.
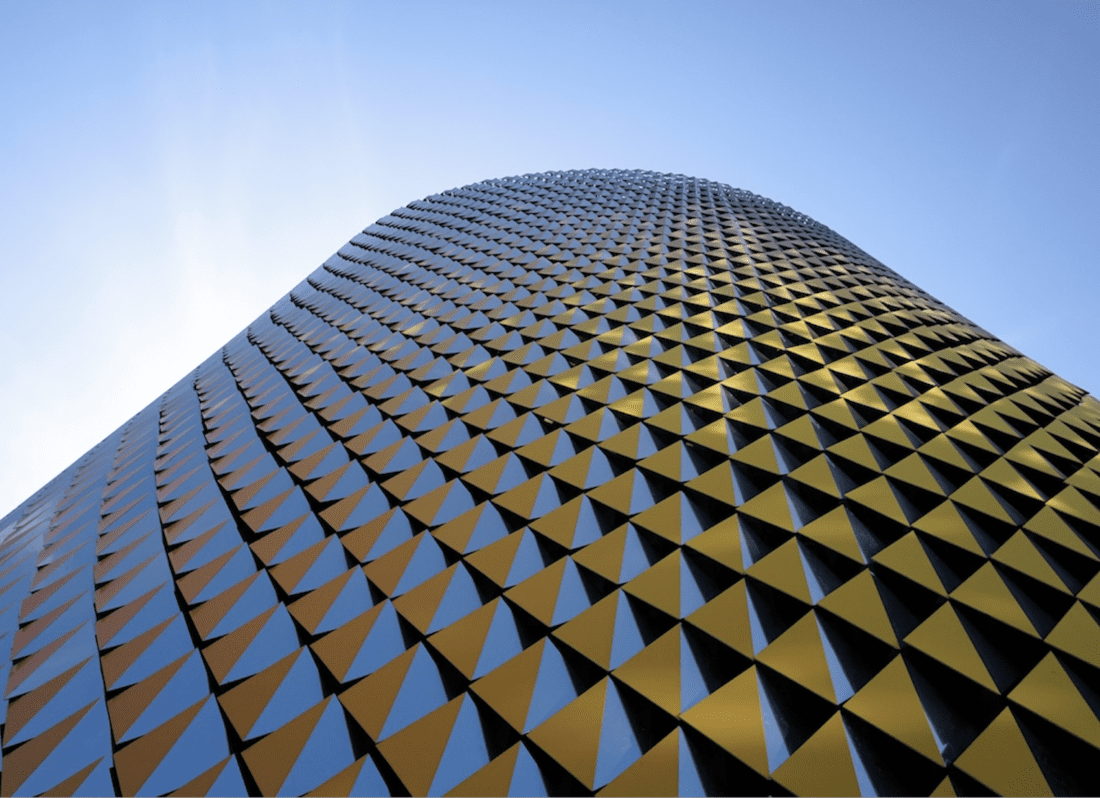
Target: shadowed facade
(580, 482)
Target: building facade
(580, 482)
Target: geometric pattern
(582, 482)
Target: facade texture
(577, 482)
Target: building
(594, 481)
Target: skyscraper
(593, 481)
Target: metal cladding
(595, 481)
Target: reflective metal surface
(595, 481)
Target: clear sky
(169, 169)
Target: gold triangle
(917, 414)
(716, 484)
(592, 632)
(220, 657)
(1001, 472)
(858, 602)
(822, 765)
(731, 717)
(487, 476)
(750, 414)
(834, 530)
(865, 397)
(1046, 443)
(495, 560)
(493, 779)
(1001, 759)
(1072, 502)
(943, 638)
(339, 648)
(663, 518)
(945, 523)
(605, 555)
(508, 688)
(625, 442)
(888, 429)
(988, 417)
(1050, 693)
(890, 702)
(783, 570)
(878, 495)
(759, 454)
(655, 671)
(370, 700)
(986, 592)
(659, 585)
(714, 436)
(560, 524)
(538, 594)
(771, 507)
(856, 449)
(801, 430)
(790, 394)
(941, 448)
(414, 752)
(1020, 553)
(521, 499)
(726, 618)
(945, 789)
(273, 757)
(799, 655)
(710, 398)
(243, 704)
(913, 471)
(387, 570)
(1048, 524)
(457, 533)
(907, 557)
(200, 785)
(1090, 593)
(1086, 479)
(779, 367)
(461, 642)
(665, 462)
(575, 469)
(135, 762)
(572, 736)
(966, 432)
(721, 543)
(1077, 634)
(616, 494)
(655, 773)
(975, 495)
(825, 382)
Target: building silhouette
(576, 482)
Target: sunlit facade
(580, 482)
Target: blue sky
(169, 169)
